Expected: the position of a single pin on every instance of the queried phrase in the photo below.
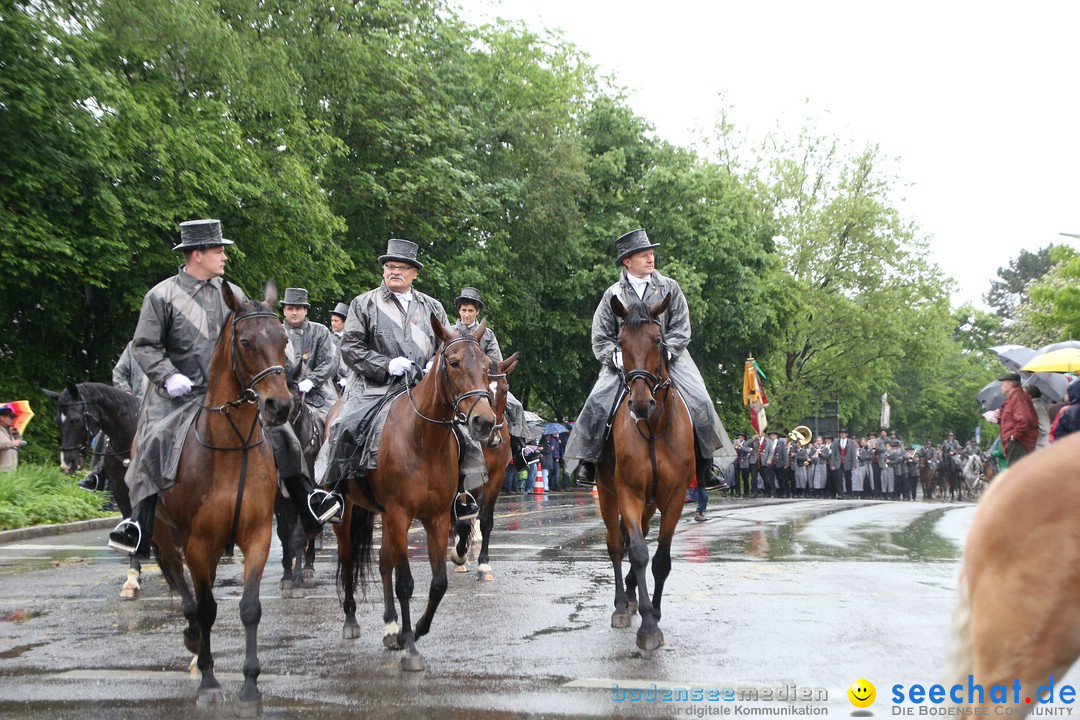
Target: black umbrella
(1013, 357)
(1053, 386)
(991, 397)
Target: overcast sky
(978, 102)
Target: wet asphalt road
(764, 594)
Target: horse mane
(637, 314)
(111, 400)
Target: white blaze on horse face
(492, 386)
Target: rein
(89, 433)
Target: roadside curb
(37, 531)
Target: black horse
(950, 477)
(297, 550)
(83, 411)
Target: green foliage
(1009, 290)
(1052, 311)
(41, 495)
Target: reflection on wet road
(814, 593)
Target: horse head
(500, 389)
(257, 348)
(644, 360)
(463, 370)
(77, 427)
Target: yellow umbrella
(1063, 360)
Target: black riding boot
(134, 535)
(313, 505)
(585, 474)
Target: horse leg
(487, 522)
(649, 636)
(308, 573)
(436, 531)
(172, 569)
(298, 540)
(459, 551)
(346, 564)
(661, 561)
(131, 587)
(284, 533)
(388, 562)
(249, 701)
(202, 578)
(394, 562)
(615, 537)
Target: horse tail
(361, 532)
(960, 661)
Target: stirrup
(327, 515)
(465, 500)
(120, 532)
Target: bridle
(494, 374)
(650, 378)
(88, 432)
(248, 393)
(454, 398)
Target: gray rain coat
(179, 324)
(312, 355)
(586, 442)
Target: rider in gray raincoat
(638, 280)
(387, 342)
(311, 356)
(469, 306)
(179, 325)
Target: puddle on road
(784, 541)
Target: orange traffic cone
(594, 491)
(538, 486)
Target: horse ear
(478, 333)
(507, 366)
(231, 301)
(73, 391)
(617, 307)
(441, 332)
(270, 295)
(658, 309)
(51, 394)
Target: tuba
(801, 435)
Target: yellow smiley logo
(862, 693)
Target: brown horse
(1017, 616)
(648, 464)
(496, 457)
(926, 478)
(416, 478)
(297, 549)
(225, 486)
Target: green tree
(1052, 310)
(1009, 289)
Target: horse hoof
(462, 568)
(650, 641)
(208, 697)
(285, 584)
(390, 641)
(350, 632)
(412, 662)
(308, 574)
(455, 558)
(484, 573)
(248, 708)
(293, 592)
(129, 593)
(620, 619)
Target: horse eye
(245, 343)
(454, 363)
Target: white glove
(398, 366)
(177, 385)
(341, 382)
(427, 368)
(616, 359)
(305, 385)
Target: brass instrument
(801, 435)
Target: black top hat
(952, 434)
(295, 296)
(402, 250)
(471, 296)
(195, 234)
(741, 435)
(774, 431)
(872, 432)
(1015, 377)
(7, 412)
(845, 430)
(632, 242)
(341, 309)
